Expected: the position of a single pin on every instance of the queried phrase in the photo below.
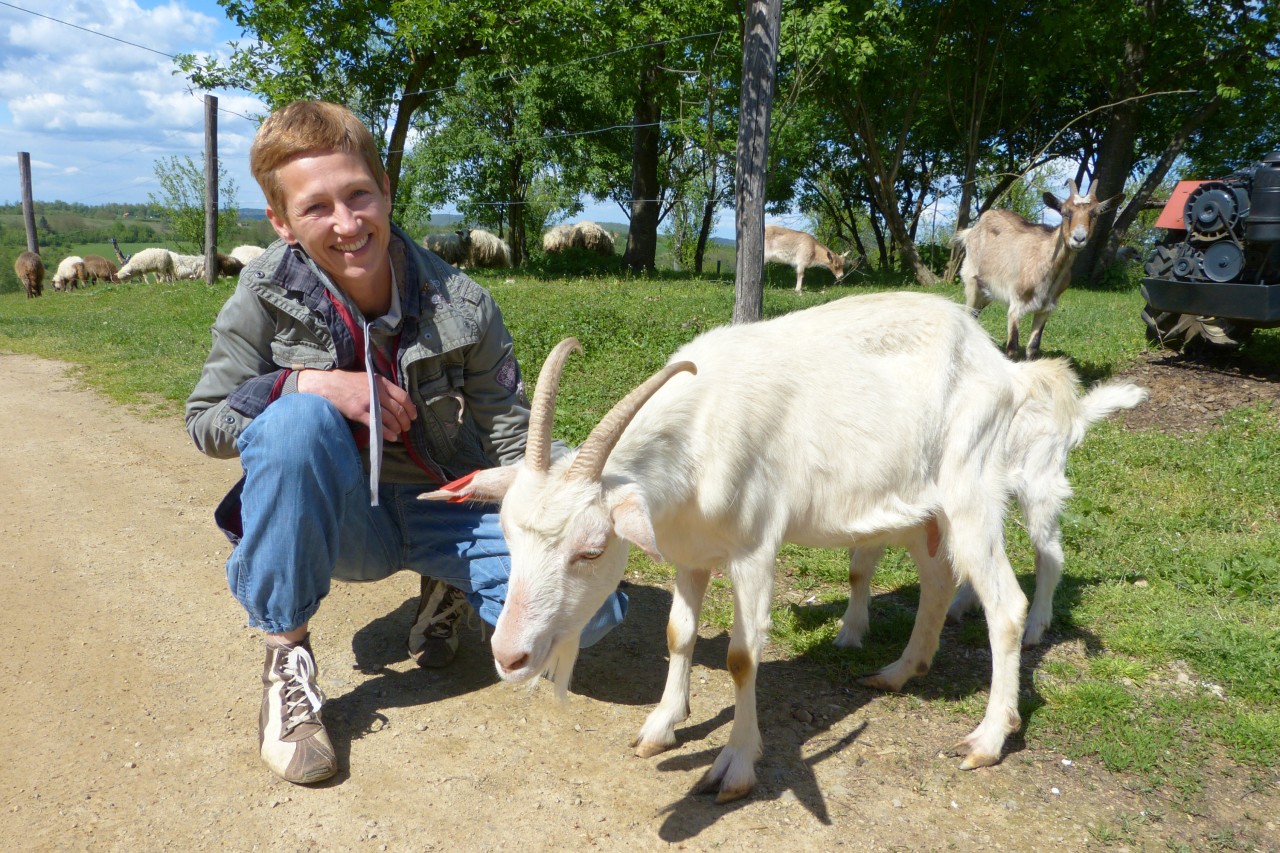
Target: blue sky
(95, 110)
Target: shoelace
(302, 699)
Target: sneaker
(433, 639)
(291, 736)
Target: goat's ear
(630, 515)
(486, 486)
(1051, 200)
(1111, 202)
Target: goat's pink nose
(511, 661)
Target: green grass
(1165, 649)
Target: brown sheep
(30, 270)
(229, 265)
(98, 268)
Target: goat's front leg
(1037, 327)
(856, 620)
(1011, 342)
(799, 279)
(734, 772)
(658, 733)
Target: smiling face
(341, 216)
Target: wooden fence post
(210, 189)
(28, 210)
(759, 65)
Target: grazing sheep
(229, 265)
(721, 457)
(158, 261)
(1027, 265)
(187, 266)
(585, 235)
(66, 276)
(1041, 435)
(557, 239)
(30, 270)
(486, 249)
(247, 254)
(800, 251)
(591, 237)
(452, 248)
(98, 268)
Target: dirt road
(131, 688)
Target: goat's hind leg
(856, 619)
(981, 560)
(658, 733)
(936, 586)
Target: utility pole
(759, 67)
(210, 189)
(28, 210)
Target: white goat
(1027, 265)
(905, 427)
(800, 250)
(154, 260)
(66, 276)
(486, 249)
(1039, 439)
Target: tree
(181, 200)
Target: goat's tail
(958, 237)
(1053, 392)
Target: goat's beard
(560, 665)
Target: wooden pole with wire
(210, 189)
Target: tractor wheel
(1183, 331)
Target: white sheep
(66, 276)
(1041, 435)
(486, 249)
(247, 254)
(140, 263)
(187, 266)
(800, 251)
(903, 427)
(452, 248)
(1027, 265)
(557, 239)
(591, 237)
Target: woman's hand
(348, 390)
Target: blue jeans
(305, 518)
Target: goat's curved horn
(589, 463)
(537, 451)
(1075, 190)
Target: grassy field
(1164, 657)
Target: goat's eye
(589, 554)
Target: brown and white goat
(904, 429)
(1027, 265)
(800, 251)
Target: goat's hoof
(975, 760)
(649, 748)
(728, 795)
(878, 681)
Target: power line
(86, 30)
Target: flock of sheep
(472, 248)
(476, 248)
(74, 271)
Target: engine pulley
(1214, 210)
(1222, 261)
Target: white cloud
(97, 112)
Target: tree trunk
(642, 237)
(708, 214)
(759, 65)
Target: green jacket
(453, 355)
